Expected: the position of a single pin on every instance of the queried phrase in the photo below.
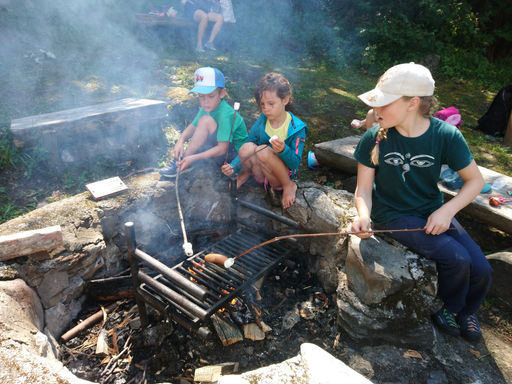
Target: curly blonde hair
(427, 105)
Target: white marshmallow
(356, 123)
(236, 107)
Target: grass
(86, 73)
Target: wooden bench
(339, 154)
(144, 20)
(110, 125)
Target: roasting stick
(187, 247)
(228, 262)
(236, 106)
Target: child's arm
(439, 221)
(291, 156)
(363, 199)
(220, 149)
(179, 150)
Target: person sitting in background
(202, 12)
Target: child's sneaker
(469, 327)
(199, 48)
(445, 321)
(171, 170)
(210, 46)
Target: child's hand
(362, 225)
(356, 124)
(227, 169)
(178, 150)
(277, 145)
(185, 162)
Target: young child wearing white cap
(214, 131)
(400, 161)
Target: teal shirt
(409, 167)
(223, 115)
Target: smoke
(78, 49)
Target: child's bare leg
(277, 174)
(245, 151)
(205, 127)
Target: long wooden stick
(87, 323)
(331, 234)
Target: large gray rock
(321, 209)
(501, 286)
(387, 294)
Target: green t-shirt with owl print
(409, 168)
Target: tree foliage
(472, 37)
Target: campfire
(195, 296)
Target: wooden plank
(28, 131)
(339, 154)
(29, 242)
(507, 140)
(213, 373)
(105, 188)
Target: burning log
(228, 332)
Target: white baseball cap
(207, 79)
(401, 80)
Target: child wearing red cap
(400, 161)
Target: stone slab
(339, 154)
(29, 242)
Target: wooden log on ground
(227, 331)
(27, 131)
(112, 288)
(29, 242)
(213, 373)
(87, 323)
(253, 332)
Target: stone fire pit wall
(384, 292)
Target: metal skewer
(230, 261)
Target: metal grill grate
(193, 290)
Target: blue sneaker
(171, 170)
(445, 321)
(469, 327)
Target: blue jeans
(464, 274)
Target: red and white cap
(207, 80)
(401, 80)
